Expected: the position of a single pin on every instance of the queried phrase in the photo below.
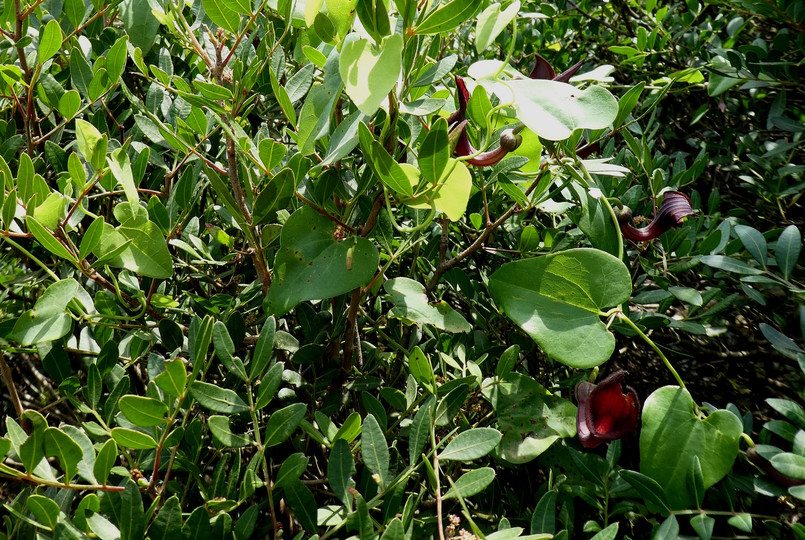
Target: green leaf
(268, 386)
(104, 461)
(434, 152)
(136, 440)
(507, 361)
(471, 483)
(420, 367)
(754, 243)
(791, 465)
(311, 264)
(530, 417)
(627, 103)
(48, 240)
(75, 10)
(492, 22)
(60, 445)
(263, 349)
(91, 144)
(674, 432)
(394, 530)
(703, 525)
(143, 411)
(383, 165)
(741, 522)
(471, 444)
(375, 451)
(650, 490)
(370, 75)
(271, 153)
(452, 192)
(668, 530)
(350, 429)
(168, 523)
(412, 306)
(120, 166)
(447, 16)
(48, 320)
(140, 23)
(173, 380)
(554, 110)
(223, 13)
(50, 39)
(786, 251)
(556, 299)
(116, 59)
(340, 469)
(91, 238)
(729, 265)
(132, 516)
(44, 509)
(610, 533)
(342, 13)
(221, 432)
(303, 503)
(291, 469)
(217, 399)
(283, 423)
(543, 520)
(274, 196)
(136, 245)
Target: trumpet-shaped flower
(605, 413)
(675, 208)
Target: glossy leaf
(447, 16)
(136, 440)
(375, 451)
(471, 483)
(673, 432)
(556, 299)
(471, 444)
(311, 264)
(60, 445)
(412, 306)
(143, 411)
(554, 110)
(530, 418)
(283, 423)
(222, 433)
(370, 75)
(217, 399)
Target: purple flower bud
(543, 70)
(675, 208)
(605, 413)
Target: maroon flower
(675, 208)
(543, 70)
(605, 412)
(457, 124)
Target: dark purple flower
(457, 124)
(605, 412)
(675, 208)
(544, 70)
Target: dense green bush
(350, 268)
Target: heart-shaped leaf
(554, 110)
(370, 75)
(530, 417)
(311, 264)
(556, 299)
(674, 432)
(411, 305)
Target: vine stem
(624, 318)
(12, 390)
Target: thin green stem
(624, 318)
(30, 255)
